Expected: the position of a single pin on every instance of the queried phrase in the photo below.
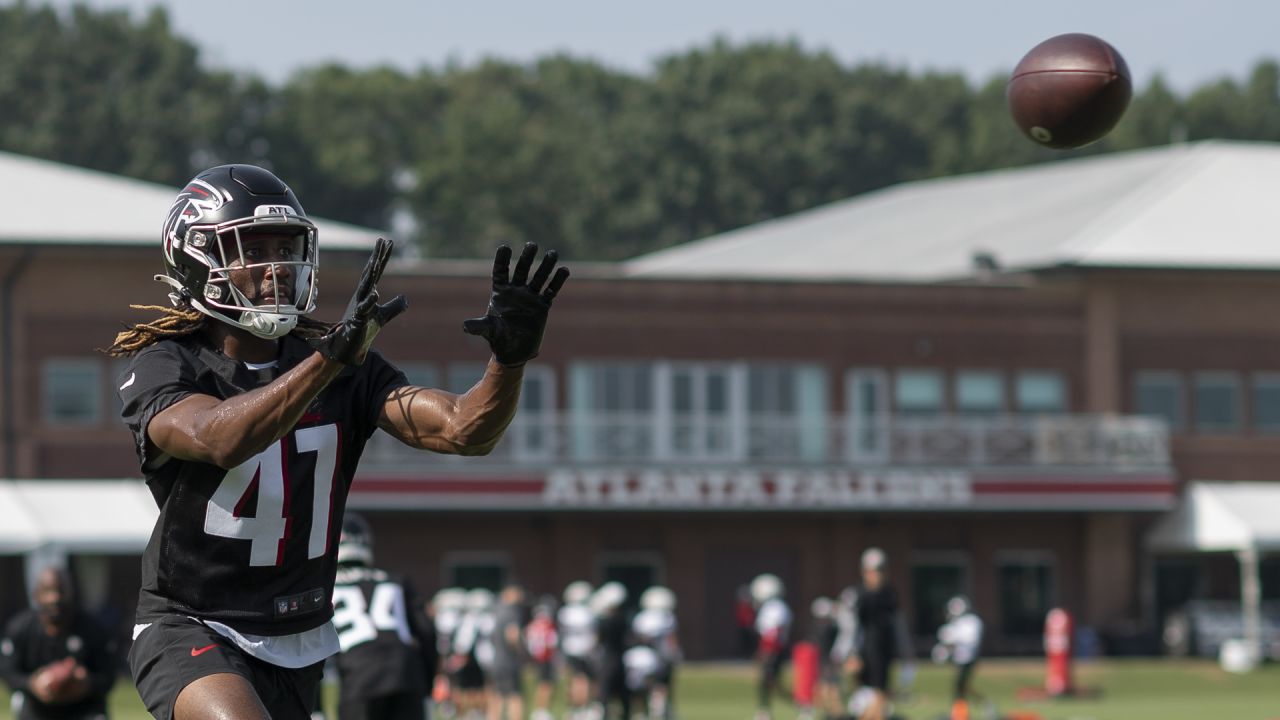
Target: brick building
(1003, 379)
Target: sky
(1189, 42)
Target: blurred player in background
(578, 640)
(613, 628)
(843, 652)
(542, 640)
(447, 606)
(744, 620)
(506, 698)
(388, 659)
(57, 660)
(655, 628)
(960, 643)
(473, 654)
(823, 633)
(249, 420)
(773, 627)
(882, 638)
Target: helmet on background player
(577, 592)
(203, 242)
(822, 608)
(479, 600)
(957, 606)
(355, 544)
(608, 598)
(658, 598)
(766, 587)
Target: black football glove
(518, 310)
(349, 340)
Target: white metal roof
(1221, 516)
(100, 516)
(1210, 204)
(45, 202)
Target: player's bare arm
(228, 432)
(473, 422)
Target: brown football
(1069, 90)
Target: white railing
(1076, 441)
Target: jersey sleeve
(381, 378)
(158, 377)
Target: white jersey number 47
(267, 527)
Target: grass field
(1130, 690)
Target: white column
(1251, 599)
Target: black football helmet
(202, 243)
(355, 544)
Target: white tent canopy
(1221, 517)
(76, 516)
(18, 530)
(1237, 517)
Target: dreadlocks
(180, 321)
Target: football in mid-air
(1069, 91)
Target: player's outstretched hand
(519, 304)
(349, 340)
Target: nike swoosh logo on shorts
(127, 383)
(203, 650)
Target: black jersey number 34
(269, 526)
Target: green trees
(601, 163)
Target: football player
(472, 659)
(249, 419)
(960, 643)
(577, 625)
(447, 608)
(388, 657)
(506, 697)
(773, 626)
(655, 627)
(882, 638)
(613, 628)
(58, 661)
(541, 641)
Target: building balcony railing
(1081, 442)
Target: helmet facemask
(208, 266)
(221, 249)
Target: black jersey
(388, 647)
(253, 547)
(26, 647)
(877, 619)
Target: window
(533, 431)
(917, 393)
(611, 410)
(979, 392)
(1025, 592)
(1217, 398)
(72, 391)
(935, 579)
(1041, 391)
(787, 406)
(868, 410)
(470, 570)
(701, 403)
(1266, 402)
(1158, 393)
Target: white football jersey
(774, 615)
(577, 630)
(963, 636)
